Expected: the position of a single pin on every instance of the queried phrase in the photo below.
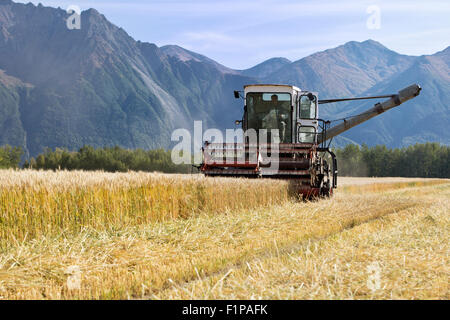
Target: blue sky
(240, 34)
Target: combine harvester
(299, 141)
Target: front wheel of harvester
(326, 191)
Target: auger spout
(396, 100)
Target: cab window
(307, 135)
(270, 111)
(307, 108)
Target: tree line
(428, 160)
(111, 159)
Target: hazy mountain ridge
(426, 118)
(266, 68)
(368, 68)
(347, 70)
(98, 86)
(186, 55)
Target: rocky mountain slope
(99, 86)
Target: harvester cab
(283, 137)
(281, 110)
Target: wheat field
(95, 235)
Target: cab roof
(272, 85)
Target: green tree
(10, 156)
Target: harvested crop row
(399, 256)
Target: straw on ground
(128, 236)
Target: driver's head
(274, 98)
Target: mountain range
(99, 86)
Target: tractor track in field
(277, 251)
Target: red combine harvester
(284, 138)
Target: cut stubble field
(80, 235)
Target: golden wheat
(34, 203)
(230, 239)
